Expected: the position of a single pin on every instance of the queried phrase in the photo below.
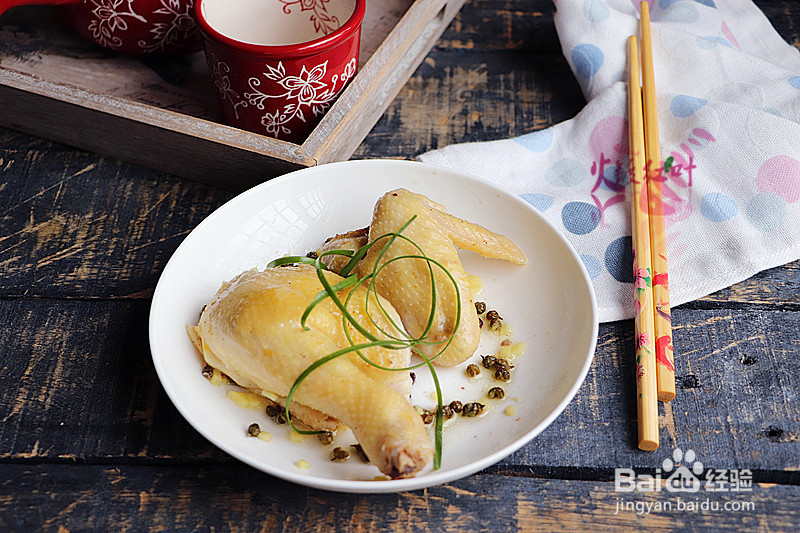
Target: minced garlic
(505, 330)
(247, 400)
(475, 285)
(512, 350)
(218, 378)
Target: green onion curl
(392, 342)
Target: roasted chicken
(252, 329)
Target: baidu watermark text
(684, 476)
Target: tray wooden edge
(365, 100)
(157, 138)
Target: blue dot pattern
(538, 141)
(766, 211)
(592, 264)
(683, 105)
(683, 12)
(542, 202)
(619, 259)
(566, 173)
(580, 218)
(587, 59)
(718, 207)
(595, 11)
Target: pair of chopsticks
(655, 373)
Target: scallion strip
(321, 295)
(290, 260)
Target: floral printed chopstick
(646, 387)
(656, 173)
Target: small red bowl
(137, 27)
(273, 76)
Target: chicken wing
(251, 331)
(406, 283)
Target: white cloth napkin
(728, 90)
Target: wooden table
(90, 441)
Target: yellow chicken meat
(251, 331)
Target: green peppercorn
(472, 370)
(427, 417)
(456, 406)
(480, 307)
(208, 372)
(496, 393)
(488, 361)
(472, 409)
(326, 437)
(273, 410)
(502, 369)
(339, 455)
(501, 374)
(312, 255)
(447, 412)
(501, 362)
(494, 319)
(253, 430)
(281, 418)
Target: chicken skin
(252, 332)
(406, 284)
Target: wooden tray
(162, 113)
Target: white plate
(549, 302)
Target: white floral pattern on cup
(304, 92)
(323, 21)
(219, 73)
(111, 18)
(180, 26)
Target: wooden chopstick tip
(632, 44)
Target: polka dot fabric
(729, 115)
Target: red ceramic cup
(136, 27)
(278, 65)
